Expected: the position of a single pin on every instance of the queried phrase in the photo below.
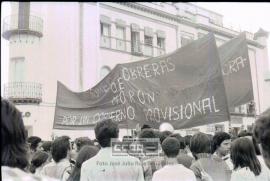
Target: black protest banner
(236, 71)
(82, 110)
(184, 88)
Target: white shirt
(174, 172)
(57, 170)
(265, 172)
(245, 174)
(105, 167)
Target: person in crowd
(86, 152)
(221, 143)
(35, 143)
(246, 165)
(250, 136)
(107, 166)
(176, 135)
(164, 135)
(173, 171)
(78, 144)
(187, 143)
(46, 146)
(14, 147)
(182, 156)
(40, 158)
(82, 141)
(261, 134)
(206, 165)
(60, 165)
(151, 160)
(145, 126)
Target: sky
(245, 16)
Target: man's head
(200, 143)
(46, 146)
(164, 135)
(13, 137)
(180, 139)
(35, 143)
(60, 148)
(145, 126)
(245, 133)
(149, 134)
(221, 143)
(81, 141)
(171, 147)
(106, 130)
(262, 135)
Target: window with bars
(120, 38)
(148, 40)
(161, 42)
(105, 29)
(135, 42)
(120, 32)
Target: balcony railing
(126, 46)
(23, 92)
(14, 24)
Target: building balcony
(15, 24)
(23, 92)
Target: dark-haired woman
(14, 159)
(84, 154)
(40, 158)
(246, 165)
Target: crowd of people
(205, 157)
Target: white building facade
(79, 43)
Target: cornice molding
(180, 20)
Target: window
(17, 69)
(161, 42)
(148, 40)
(242, 109)
(120, 38)
(135, 42)
(105, 35)
(120, 32)
(105, 29)
(148, 48)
